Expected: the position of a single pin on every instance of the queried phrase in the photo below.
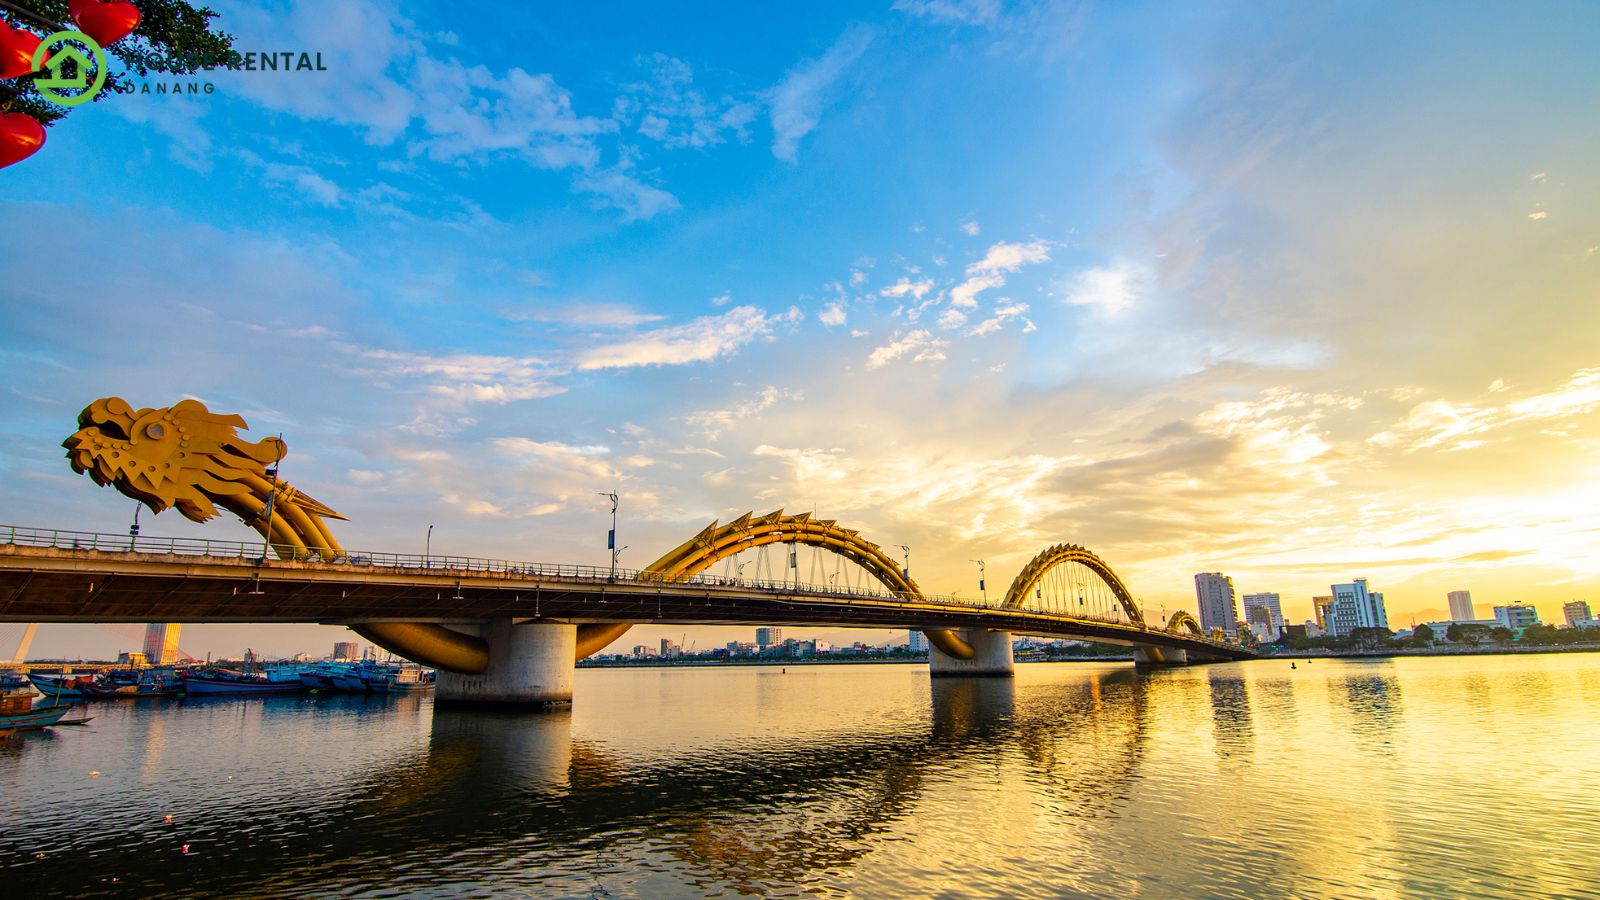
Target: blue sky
(1295, 293)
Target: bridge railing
(443, 564)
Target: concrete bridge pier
(1160, 656)
(991, 657)
(530, 667)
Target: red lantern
(16, 51)
(107, 21)
(21, 136)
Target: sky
(1299, 293)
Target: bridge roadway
(54, 584)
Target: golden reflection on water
(1411, 777)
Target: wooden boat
(58, 687)
(18, 713)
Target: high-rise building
(670, 649)
(1322, 607)
(1269, 604)
(1516, 616)
(1461, 606)
(1214, 592)
(918, 642)
(1355, 606)
(1577, 611)
(768, 636)
(345, 651)
(161, 643)
(1259, 620)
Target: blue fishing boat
(231, 682)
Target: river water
(1472, 777)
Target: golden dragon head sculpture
(186, 456)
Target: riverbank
(1493, 650)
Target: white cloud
(1440, 422)
(668, 109)
(587, 315)
(385, 77)
(920, 345)
(796, 104)
(961, 12)
(965, 294)
(466, 378)
(971, 228)
(701, 340)
(1107, 289)
(905, 286)
(832, 315)
(952, 318)
(1009, 257)
(990, 272)
(714, 422)
(1003, 313)
(621, 191)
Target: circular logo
(65, 50)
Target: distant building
(161, 643)
(1313, 630)
(1264, 613)
(918, 642)
(1322, 608)
(1214, 592)
(669, 649)
(346, 651)
(133, 659)
(1516, 616)
(1461, 606)
(766, 637)
(1356, 606)
(1577, 611)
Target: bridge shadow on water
(520, 799)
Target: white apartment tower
(1461, 606)
(1214, 593)
(1354, 606)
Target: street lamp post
(427, 550)
(611, 537)
(983, 580)
(907, 570)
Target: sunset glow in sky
(1297, 293)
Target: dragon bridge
(189, 458)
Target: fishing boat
(61, 687)
(401, 679)
(17, 712)
(214, 682)
(232, 682)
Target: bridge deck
(54, 584)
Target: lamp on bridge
(907, 570)
(983, 581)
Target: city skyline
(1228, 296)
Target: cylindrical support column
(991, 656)
(1160, 656)
(530, 667)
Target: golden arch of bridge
(502, 631)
